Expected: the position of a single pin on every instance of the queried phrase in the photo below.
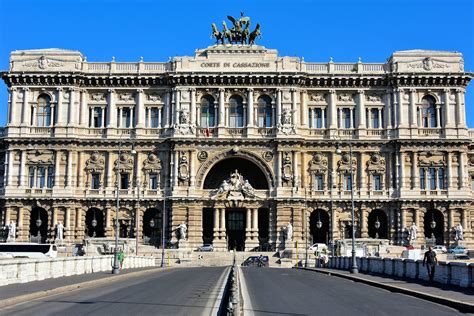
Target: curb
(459, 305)
(72, 287)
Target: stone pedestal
(183, 244)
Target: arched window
(208, 112)
(43, 112)
(236, 111)
(428, 112)
(264, 111)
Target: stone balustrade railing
(27, 270)
(453, 273)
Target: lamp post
(306, 228)
(354, 268)
(377, 226)
(163, 218)
(94, 225)
(137, 222)
(152, 226)
(38, 224)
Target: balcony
(265, 131)
(430, 132)
(41, 131)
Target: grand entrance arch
(233, 217)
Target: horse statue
(216, 34)
(227, 33)
(256, 33)
(246, 33)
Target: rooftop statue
(238, 34)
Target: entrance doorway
(235, 227)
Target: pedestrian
(121, 257)
(431, 262)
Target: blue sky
(315, 30)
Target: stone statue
(11, 230)
(412, 232)
(289, 231)
(458, 230)
(234, 186)
(286, 117)
(182, 230)
(238, 34)
(59, 231)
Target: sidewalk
(20, 289)
(449, 295)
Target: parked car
(254, 261)
(318, 247)
(440, 249)
(457, 250)
(206, 247)
(461, 257)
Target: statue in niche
(182, 231)
(459, 232)
(288, 231)
(412, 232)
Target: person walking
(431, 262)
(121, 256)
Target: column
(221, 109)
(461, 170)
(7, 216)
(362, 173)
(388, 109)
(248, 227)
(110, 170)
(67, 219)
(15, 111)
(54, 217)
(57, 159)
(464, 221)
(25, 119)
(361, 110)
(332, 111)
(132, 117)
(413, 109)
(69, 168)
(449, 172)
(380, 118)
(107, 218)
(255, 221)
(175, 168)
(58, 111)
(339, 123)
(447, 114)
(460, 119)
(191, 169)
(166, 111)
(102, 111)
(438, 117)
(278, 107)
(10, 167)
(176, 106)
(323, 118)
(304, 109)
(401, 174)
(193, 105)
(296, 169)
(119, 117)
(83, 121)
(22, 170)
(222, 225)
(400, 117)
(414, 170)
(72, 112)
(216, 223)
(294, 111)
(278, 167)
(363, 221)
(78, 218)
(140, 106)
(250, 108)
(111, 110)
(351, 113)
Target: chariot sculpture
(238, 34)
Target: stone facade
(237, 142)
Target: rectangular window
(31, 177)
(153, 182)
(374, 113)
(318, 182)
(377, 180)
(432, 178)
(97, 117)
(347, 182)
(124, 181)
(346, 118)
(441, 178)
(50, 177)
(126, 117)
(318, 118)
(207, 117)
(422, 179)
(95, 181)
(41, 177)
(154, 114)
(264, 117)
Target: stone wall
(454, 273)
(27, 270)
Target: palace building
(237, 143)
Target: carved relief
(234, 187)
(287, 168)
(267, 155)
(376, 163)
(344, 163)
(202, 155)
(126, 97)
(98, 96)
(154, 97)
(124, 163)
(318, 97)
(40, 157)
(95, 163)
(152, 164)
(184, 126)
(345, 97)
(318, 164)
(183, 167)
(373, 98)
(431, 159)
(43, 63)
(286, 125)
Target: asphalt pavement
(183, 291)
(297, 292)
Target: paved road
(183, 291)
(297, 292)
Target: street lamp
(319, 224)
(354, 268)
(433, 226)
(38, 224)
(94, 225)
(306, 226)
(163, 219)
(377, 226)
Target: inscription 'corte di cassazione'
(235, 65)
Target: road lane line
(212, 308)
(247, 303)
